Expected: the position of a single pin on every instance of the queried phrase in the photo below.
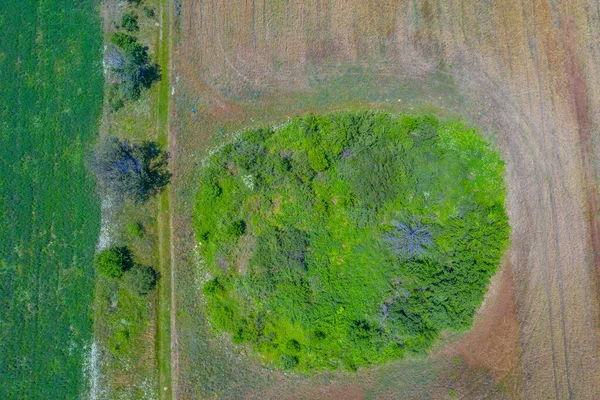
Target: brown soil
(493, 343)
(526, 72)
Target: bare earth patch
(493, 343)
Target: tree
(140, 280)
(129, 170)
(113, 262)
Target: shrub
(140, 280)
(237, 228)
(129, 22)
(113, 262)
(318, 160)
(213, 287)
(149, 12)
(135, 229)
(288, 362)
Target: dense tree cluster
(350, 239)
(131, 70)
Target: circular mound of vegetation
(349, 239)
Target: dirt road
(525, 72)
(166, 340)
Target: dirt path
(166, 338)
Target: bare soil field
(525, 72)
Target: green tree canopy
(134, 74)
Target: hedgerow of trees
(131, 70)
(370, 233)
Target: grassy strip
(164, 233)
(126, 326)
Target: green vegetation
(125, 317)
(149, 12)
(129, 65)
(117, 262)
(349, 239)
(135, 229)
(123, 285)
(140, 280)
(130, 170)
(129, 22)
(51, 99)
(113, 262)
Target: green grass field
(51, 99)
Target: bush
(128, 170)
(135, 229)
(149, 12)
(140, 280)
(237, 228)
(130, 46)
(129, 22)
(318, 160)
(213, 287)
(113, 262)
(288, 362)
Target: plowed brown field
(525, 72)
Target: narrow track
(165, 314)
